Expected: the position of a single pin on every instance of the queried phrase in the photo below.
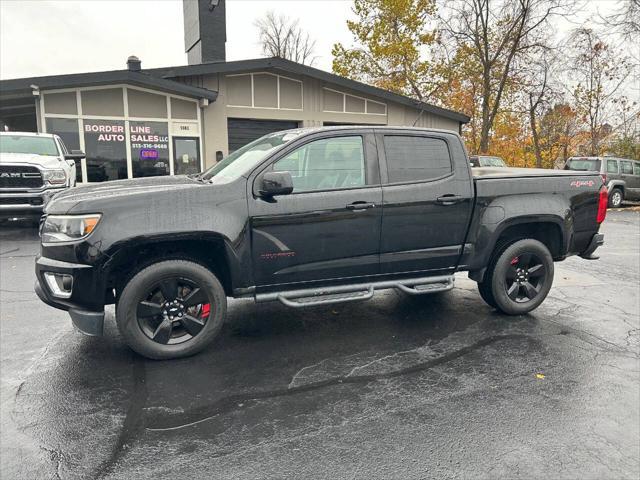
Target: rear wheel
(519, 279)
(616, 198)
(171, 309)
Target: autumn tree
(535, 79)
(597, 72)
(282, 37)
(498, 33)
(393, 39)
(558, 128)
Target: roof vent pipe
(134, 64)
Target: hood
(43, 161)
(94, 197)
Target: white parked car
(33, 167)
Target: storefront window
(106, 150)
(67, 130)
(149, 148)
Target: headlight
(68, 228)
(54, 177)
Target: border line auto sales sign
(144, 138)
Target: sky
(39, 37)
(68, 36)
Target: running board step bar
(362, 291)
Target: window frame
(615, 160)
(371, 160)
(382, 155)
(623, 162)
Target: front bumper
(86, 303)
(596, 241)
(29, 202)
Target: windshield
(28, 144)
(244, 159)
(492, 162)
(583, 164)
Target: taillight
(603, 201)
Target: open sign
(148, 154)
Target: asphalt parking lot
(397, 387)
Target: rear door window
(612, 166)
(413, 159)
(636, 168)
(626, 167)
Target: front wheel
(171, 309)
(520, 278)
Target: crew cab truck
(309, 217)
(33, 167)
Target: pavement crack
(56, 456)
(133, 421)
(232, 402)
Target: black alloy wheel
(173, 311)
(525, 277)
(519, 277)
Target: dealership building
(164, 121)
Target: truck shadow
(265, 352)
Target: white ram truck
(33, 168)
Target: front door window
(326, 164)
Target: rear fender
(508, 212)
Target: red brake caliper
(206, 309)
(514, 260)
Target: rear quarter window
(414, 159)
(626, 167)
(583, 164)
(636, 168)
(612, 166)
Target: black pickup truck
(309, 217)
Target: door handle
(360, 205)
(449, 199)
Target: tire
(160, 327)
(519, 278)
(616, 197)
(484, 288)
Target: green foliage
(392, 36)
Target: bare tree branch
(282, 37)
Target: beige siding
(147, 105)
(333, 101)
(184, 109)
(354, 104)
(103, 102)
(290, 94)
(239, 90)
(235, 100)
(61, 103)
(265, 91)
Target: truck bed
(512, 172)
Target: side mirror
(276, 183)
(75, 155)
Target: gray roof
(141, 79)
(162, 79)
(297, 68)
